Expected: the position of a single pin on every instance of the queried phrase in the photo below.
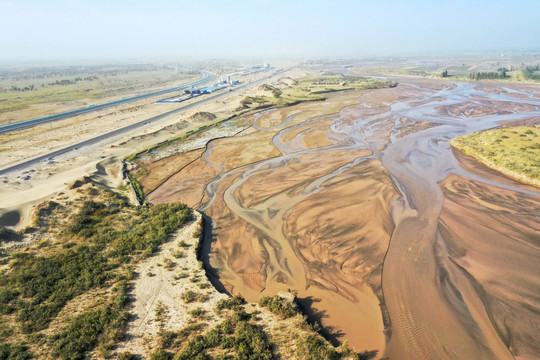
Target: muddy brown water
(359, 211)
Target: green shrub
(198, 313)
(85, 331)
(5, 331)
(190, 331)
(121, 296)
(127, 356)
(183, 244)
(178, 254)
(233, 303)
(190, 296)
(279, 306)
(82, 221)
(315, 348)
(166, 338)
(181, 275)
(161, 313)
(52, 281)
(161, 355)
(246, 341)
(169, 264)
(14, 352)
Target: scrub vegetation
(513, 151)
(93, 250)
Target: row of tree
(529, 72)
(479, 75)
(74, 81)
(26, 88)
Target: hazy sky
(34, 30)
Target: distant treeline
(26, 88)
(74, 81)
(529, 72)
(57, 82)
(479, 75)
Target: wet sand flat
(492, 235)
(359, 204)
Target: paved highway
(99, 138)
(29, 123)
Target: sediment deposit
(359, 204)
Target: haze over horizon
(77, 30)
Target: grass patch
(513, 151)
(310, 89)
(161, 355)
(128, 356)
(137, 187)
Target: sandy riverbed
(341, 201)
